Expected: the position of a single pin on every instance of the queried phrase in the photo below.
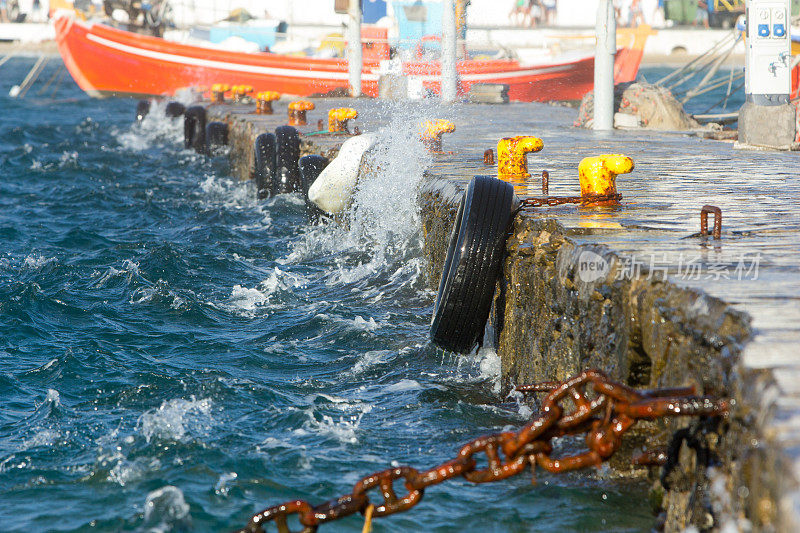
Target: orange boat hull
(108, 61)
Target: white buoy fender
(334, 187)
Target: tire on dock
(287, 154)
(175, 110)
(142, 109)
(264, 151)
(472, 265)
(216, 135)
(310, 168)
(194, 129)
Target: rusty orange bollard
(598, 176)
(240, 92)
(218, 91)
(264, 101)
(431, 132)
(338, 117)
(545, 182)
(511, 151)
(704, 211)
(488, 157)
(297, 112)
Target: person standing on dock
(702, 14)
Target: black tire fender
(287, 153)
(264, 155)
(473, 264)
(174, 109)
(310, 168)
(142, 109)
(194, 128)
(216, 134)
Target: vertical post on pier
(354, 61)
(605, 52)
(449, 79)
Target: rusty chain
(600, 408)
(552, 201)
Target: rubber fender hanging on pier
(472, 265)
(216, 134)
(287, 153)
(264, 150)
(333, 189)
(142, 109)
(194, 128)
(310, 168)
(174, 109)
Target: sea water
(176, 355)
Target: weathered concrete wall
(647, 333)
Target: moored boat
(107, 61)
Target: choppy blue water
(175, 355)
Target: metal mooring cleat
(488, 157)
(218, 91)
(240, 92)
(297, 112)
(338, 117)
(431, 132)
(264, 101)
(704, 211)
(598, 176)
(511, 151)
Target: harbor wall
(646, 333)
(550, 324)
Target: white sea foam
(43, 437)
(126, 471)
(155, 128)
(223, 483)
(342, 428)
(176, 419)
(247, 300)
(370, 359)
(36, 262)
(404, 385)
(165, 509)
(160, 291)
(53, 398)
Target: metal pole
(604, 66)
(354, 60)
(449, 75)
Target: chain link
(596, 406)
(552, 201)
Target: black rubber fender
(310, 168)
(175, 109)
(473, 264)
(142, 109)
(264, 151)
(194, 128)
(287, 155)
(216, 134)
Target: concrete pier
(663, 307)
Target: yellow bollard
(598, 175)
(338, 117)
(264, 101)
(431, 133)
(297, 112)
(511, 151)
(218, 91)
(241, 91)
